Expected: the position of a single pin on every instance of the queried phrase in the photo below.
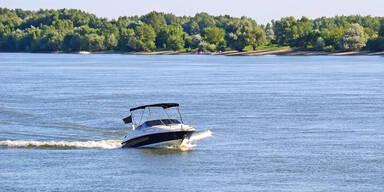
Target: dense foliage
(74, 30)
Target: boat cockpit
(156, 122)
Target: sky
(262, 11)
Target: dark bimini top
(163, 105)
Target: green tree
(2, 31)
(9, 18)
(172, 19)
(175, 43)
(245, 32)
(22, 14)
(221, 46)
(12, 40)
(319, 44)
(371, 34)
(196, 40)
(269, 33)
(31, 39)
(145, 36)
(51, 40)
(64, 26)
(162, 37)
(123, 22)
(204, 20)
(176, 36)
(171, 37)
(256, 37)
(354, 38)
(381, 30)
(213, 35)
(110, 42)
(108, 29)
(155, 19)
(292, 32)
(127, 41)
(302, 31)
(191, 27)
(187, 42)
(95, 42)
(283, 30)
(84, 30)
(332, 37)
(44, 17)
(78, 17)
(74, 42)
(205, 46)
(377, 44)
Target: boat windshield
(159, 122)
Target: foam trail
(196, 136)
(104, 144)
(199, 135)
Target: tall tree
(154, 19)
(110, 42)
(51, 40)
(191, 27)
(283, 30)
(171, 37)
(332, 36)
(145, 36)
(128, 40)
(245, 32)
(213, 35)
(269, 33)
(354, 38)
(204, 20)
(292, 32)
(74, 42)
(381, 30)
(301, 33)
(95, 42)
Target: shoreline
(261, 52)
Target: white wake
(104, 144)
(199, 135)
(189, 143)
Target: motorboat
(156, 132)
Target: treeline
(74, 30)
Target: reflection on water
(165, 151)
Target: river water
(278, 123)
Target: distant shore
(278, 51)
(282, 52)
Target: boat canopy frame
(165, 106)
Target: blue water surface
(279, 123)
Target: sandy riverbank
(283, 52)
